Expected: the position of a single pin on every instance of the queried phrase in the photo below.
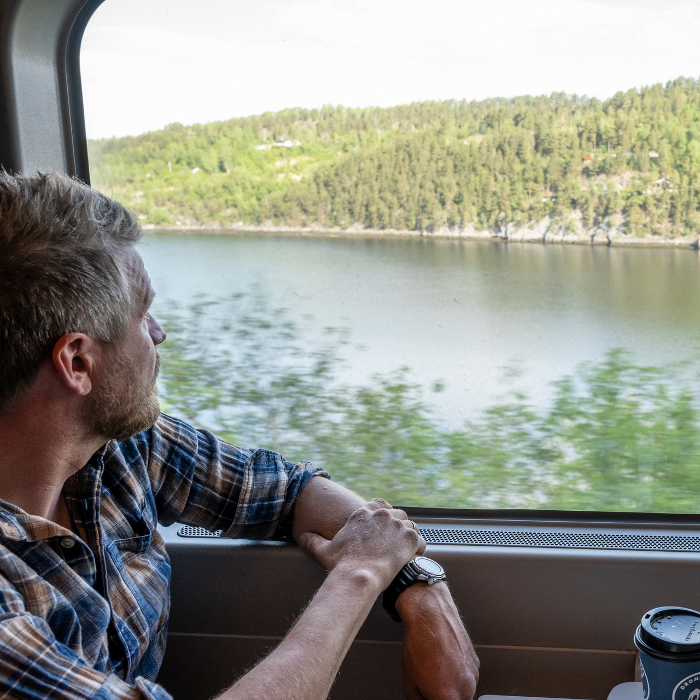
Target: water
(453, 311)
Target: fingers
(375, 535)
(381, 504)
(401, 515)
(313, 544)
(410, 525)
(413, 534)
(419, 541)
(378, 504)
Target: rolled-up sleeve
(200, 480)
(34, 666)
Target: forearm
(323, 507)
(304, 665)
(439, 660)
(421, 604)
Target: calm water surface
(456, 311)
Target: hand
(439, 661)
(372, 540)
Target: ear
(74, 359)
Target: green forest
(629, 163)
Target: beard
(124, 405)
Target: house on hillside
(660, 185)
(587, 159)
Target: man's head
(72, 283)
(126, 399)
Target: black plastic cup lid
(670, 630)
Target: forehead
(140, 281)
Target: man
(88, 466)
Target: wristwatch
(418, 569)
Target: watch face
(428, 566)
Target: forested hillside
(630, 162)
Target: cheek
(149, 350)
(146, 351)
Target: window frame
(42, 121)
(42, 127)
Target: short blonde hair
(61, 271)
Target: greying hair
(61, 271)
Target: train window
(447, 251)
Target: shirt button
(67, 542)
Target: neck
(41, 446)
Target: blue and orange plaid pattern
(86, 617)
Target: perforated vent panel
(514, 538)
(588, 540)
(187, 531)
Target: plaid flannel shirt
(86, 617)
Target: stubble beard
(124, 406)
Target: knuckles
(384, 515)
(378, 514)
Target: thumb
(313, 544)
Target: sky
(149, 63)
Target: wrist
(360, 579)
(420, 570)
(422, 600)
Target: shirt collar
(18, 525)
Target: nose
(155, 331)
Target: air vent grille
(587, 540)
(514, 538)
(187, 531)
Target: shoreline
(546, 232)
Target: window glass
(447, 251)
